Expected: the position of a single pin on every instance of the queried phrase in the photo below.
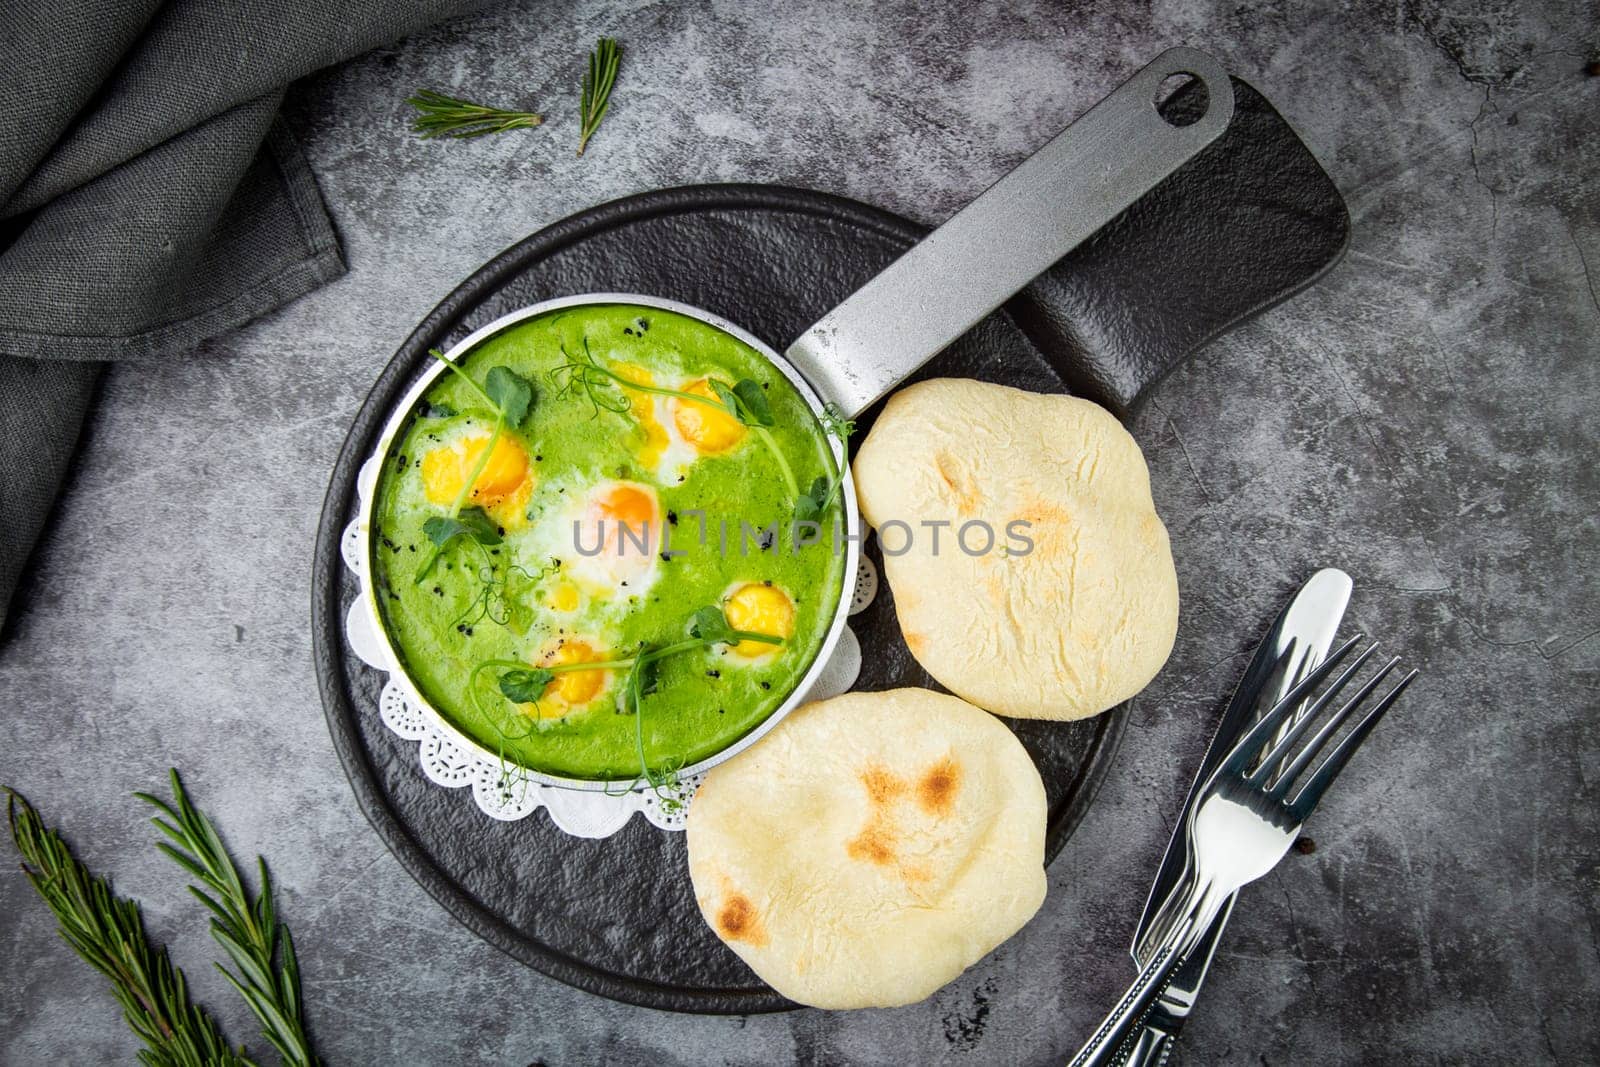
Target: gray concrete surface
(1424, 418)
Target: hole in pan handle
(1054, 200)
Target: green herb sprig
(108, 932)
(266, 973)
(510, 396)
(744, 400)
(812, 504)
(520, 683)
(439, 115)
(598, 80)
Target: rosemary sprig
(108, 932)
(597, 83)
(439, 115)
(268, 975)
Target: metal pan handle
(1054, 200)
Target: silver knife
(1296, 643)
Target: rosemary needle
(597, 83)
(439, 115)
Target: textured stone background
(1424, 418)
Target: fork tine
(1239, 759)
(1285, 744)
(1312, 791)
(1309, 751)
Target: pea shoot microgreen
(473, 522)
(745, 400)
(510, 396)
(522, 683)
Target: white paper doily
(505, 791)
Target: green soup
(600, 525)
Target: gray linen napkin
(149, 198)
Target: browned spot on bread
(936, 791)
(737, 920)
(882, 785)
(1048, 525)
(959, 485)
(915, 641)
(875, 844)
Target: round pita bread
(871, 848)
(1074, 626)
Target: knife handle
(1150, 1048)
(1106, 1047)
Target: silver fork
(1251, 812)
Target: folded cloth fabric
(149, 198)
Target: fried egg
(673, 432)
(608, 541)
(569, 691)
(709, 431)
(661, 450)
(761, 608)
(502, 488)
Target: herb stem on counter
(598, 80)
(440, 115)
(108, 932)
(266, 972)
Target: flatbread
(871, 848)
(1072, 627)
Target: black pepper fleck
(766, 685)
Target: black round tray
(1248, 222)
(617, 916)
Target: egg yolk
(761, 609)
(630, 506)
(643, 407)
(570, 689)
(710, 430)
(563, 597)
(445, 470)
